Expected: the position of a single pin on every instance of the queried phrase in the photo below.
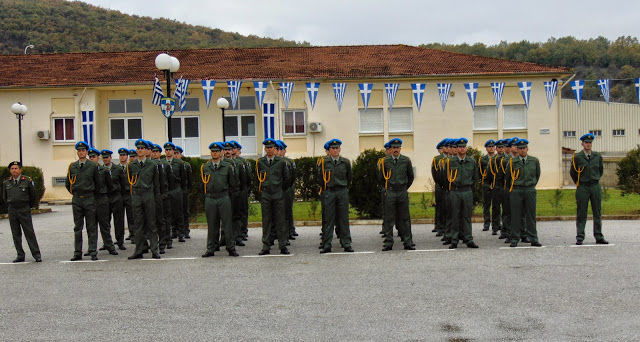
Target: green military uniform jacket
(486, 170)
(244, 175)
(291, 167)
(463, 173)
(275, 178)
(339, 174)
(591, 169)
(177, 174)
(82, 180)
(500, 165)
(144, 178)
(525, 174)
(104, 184)
(220, 182)
(401, 176)
(19, 195)
(235, 164)
(438, 165)
(118, 181)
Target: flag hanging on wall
(498, 90)
(392, 91)
(261, 90)
(339, 89)
(287, 89)
(234, 90)
(176, 93)
(207, 88)
(444, 89)
(184, 87)
(269, 118)
(87, 127)
(157, 91)
(525, 90)
(604, 88)
(577, 87)
(550, 88)
(365, 92)
(638, 88)
(312, 90)
(418, 93)
(472, 93)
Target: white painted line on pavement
(523, 247)
(14, 263)
(609, 245)
(187, 258)
(433, 250)
(347, 253)
(81, 261)
(267, 256)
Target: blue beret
(490, 142)
(93, 152)
(441, 143)
(169, 146)
(179, 149)
(227, 145)
(334, 143)
(141, 143)
(106, 153)
(588, 137)
(269, 142)
(156, 147)
(500, 143)
(15, 163)
(462, 142)
(236, 144)
(283, 146)
(522, 143)
(512, 141)
(215, 146)
(133, 153)
(395, 142)
(123, 151)
(326, 145)
(82, 145)
(149, 144)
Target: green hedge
(364, 193)
(38, 180)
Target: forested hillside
(63, 26)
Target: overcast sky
(413, 22)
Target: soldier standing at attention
(335, 172)
(133, 155)
(177, 181)
(19, 193)
(499, 168)
(162, 216)
(273, 177)
(245, 179)
(397, 177)
(436, 168)
(103, 216)
(116, 205)
(586, 170)
(488, 183)
(143, 178)
(387, 150)
(218, 177)
(323, 217)
(524, 173)
(82, 177)
(462, 173)
(289, 193)
(450, 152)
(185, 193)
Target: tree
(364, 192)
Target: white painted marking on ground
(14, 263)
(434, 250)
(523, 247)
(347, 253)
(267, 256)
(609, 245)
(81, 261)
(186, 258)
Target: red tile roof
(327, 62)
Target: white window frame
(569, 134)
(187, 151)
(596, 132)
(392, 119)
(249, 142)
(284, 121)
(621, 132)
(234, 110)
(494, 110)
(370, 111)
(526, 113)
(129, 142)
(64, 127)
(125, 106)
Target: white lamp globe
(222, 103)
(163, 61)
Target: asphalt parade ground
(560, 292)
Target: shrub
(196, 193)
(364, 193)
(38, 180)
(629, 172)
(306, 185)
(477, 187)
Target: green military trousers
(20, 221)
(396, 211)
(116, 208)
(218, 211)
(185, 212)
(491, 207)
(144, 215)
(523, 213)
(103, 218)
(84, 209)
(584, 194)
(448, 218)
(506, 212)
(273, 218)
(336, 209)
(440, 217)
(461, 202)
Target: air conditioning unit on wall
(43, 135)
(315, 127)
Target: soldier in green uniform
(450, 152)
(125, 191)
(586, 170)
(103, 217)
(322, 215)
(387, 151)
(163, 204)
(506, 200)
(523, 175)
(436, 168)
(462, 172)
(273, 177)
(238, 196)
(397, 177)
(82, 177)
(335, 173)
(234, 192)
(143, 178)
(489, 197)
(218, 177)
(133, 155)
(177, 181)
(116, 204)
(245, 185)
(19, 194)
(185, 193)
(498, 166)
(289, 193)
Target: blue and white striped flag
(638, 89)
(472, 93)
(525, 90)
(234, 90)
(184, 88)
(207, 88)
(418, 93)
(269, 117)
(157, 91)
(87, 127)
(392, 91)
(578, 88)
(443, 90)
(365, 92)
(550, 88)
(604, 88)
(498, 89)
(339, 89)
(261, 90)
(287, 89)
(176, 93)
(312, 90)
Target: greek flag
(234, 90)
(157, 91)
(287, 89)
(525, 90)
(418, 93)
(269, 117)
(578, 88)
(550, 88)
(339, 89)
(472, 93)
(87, 127)
(261, 90)
(498, 89)
(638, 88)
(184, 86)
(443, 90)
(207, 88)
(604, 88)
(312, 90)
(365, 92)
(392, 91)
(176, 93)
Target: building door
(242, 128)
(124, 132)
(186, 134)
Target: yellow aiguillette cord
(573, 161)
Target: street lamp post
(20, 111)
(168, 64)
(223, 104)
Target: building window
(124, 132)
(618, 132)
(485, 117)
(596, 132)
(294, 122)
(569, 134)
(242, 128)
(192, 104)
(185, 132)
(63, 130)
(243, 103)
(515, 117)
(370, 120)
(123, 106)
(400, 120)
